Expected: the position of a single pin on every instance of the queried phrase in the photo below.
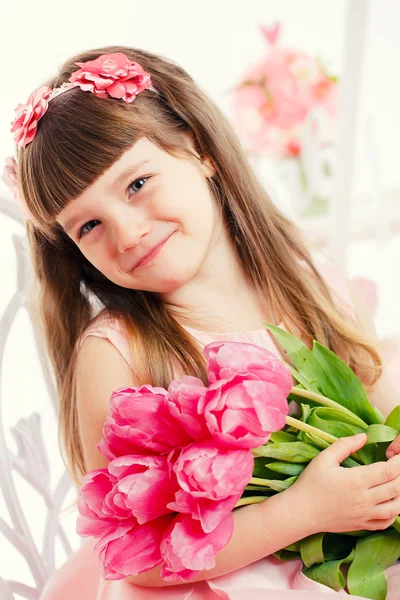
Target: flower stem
(320, 399)
(250, 500)
(259, 481)
(297, 424)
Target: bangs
(77, 140)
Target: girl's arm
(259, 530)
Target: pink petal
(129, 551)
(187, 550)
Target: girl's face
(147, 201)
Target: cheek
(98, 259)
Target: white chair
(33, 537)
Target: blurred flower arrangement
(284, 107)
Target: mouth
(150, 255)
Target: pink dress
(79, 578)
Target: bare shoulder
(100, 370)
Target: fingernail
(390, 453)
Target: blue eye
(82, 231)
(141, 181)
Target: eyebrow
(70, 223)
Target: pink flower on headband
(112, 74)
(27, 116)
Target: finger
(380, 472)
(394, 448)
(387, 510)
(385, 491)
(376, 525)
(341, 449)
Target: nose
(129, 235)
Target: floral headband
(108, 76)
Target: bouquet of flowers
(182, 459)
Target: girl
(151, 237)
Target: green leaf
(337, 545)
(301, 356)
(293, 547)
(311, 549)
(282, 436)
(338, 382)
(396, 524)
(286, 468)
(299, 377)
(316, 440)
(305, 412)
(328, 573)
(261, 469)
(275, 484)
(381, 433)
(293, 452)
(284, 555)
(373, 555)
(393, 419)
(319, 418)
(328, 413)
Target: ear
(206, 163)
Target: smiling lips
(150, 253)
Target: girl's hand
(394, 448)
(335, 499)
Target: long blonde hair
(80, 137)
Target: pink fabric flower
(127, 550)
(212, 480)
(224, 360)
(182, 400)
(243, 411)
(140, 423)
(27, 116)
(95, 517)
(144, 486)
(113, 75)
(187, 550)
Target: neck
(220, 297)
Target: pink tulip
(187, 550)
(243, 411)
(144, 486)
(140, 423)
(226, 359)
(210, 513)
(212, 480)
(94, 517)
(127, 550)
(183, 399)
(205, 471)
